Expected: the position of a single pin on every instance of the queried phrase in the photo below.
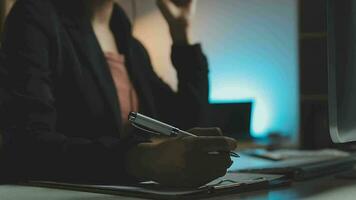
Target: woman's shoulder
(33, 7)
(41, 13)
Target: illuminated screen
(252, 46)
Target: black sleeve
(193, 87)
(185, 108)
(32, 146)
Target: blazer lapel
(121, 27)
(141, 84)
(92, 57)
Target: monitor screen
(342, 70)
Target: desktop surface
(325, 188)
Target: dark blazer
(63, 121)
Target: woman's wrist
(139, 162)
(181, 36)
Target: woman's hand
(178, 14)
(183, 161)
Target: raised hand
(178, 14)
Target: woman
(76, 72)
(5, 7)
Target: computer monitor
(234, 119)
(342, 70)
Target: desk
(323, 188)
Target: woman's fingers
(206, 131)
(175, 9)
(167, 9)
(182, 3)
(221, 161)
(213, 144)
(191, 161)
(203, 167)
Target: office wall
(253, 54)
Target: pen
(158, 127)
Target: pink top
(127, 95)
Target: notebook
(299, 165)
(231, 183)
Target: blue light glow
(252, 48)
